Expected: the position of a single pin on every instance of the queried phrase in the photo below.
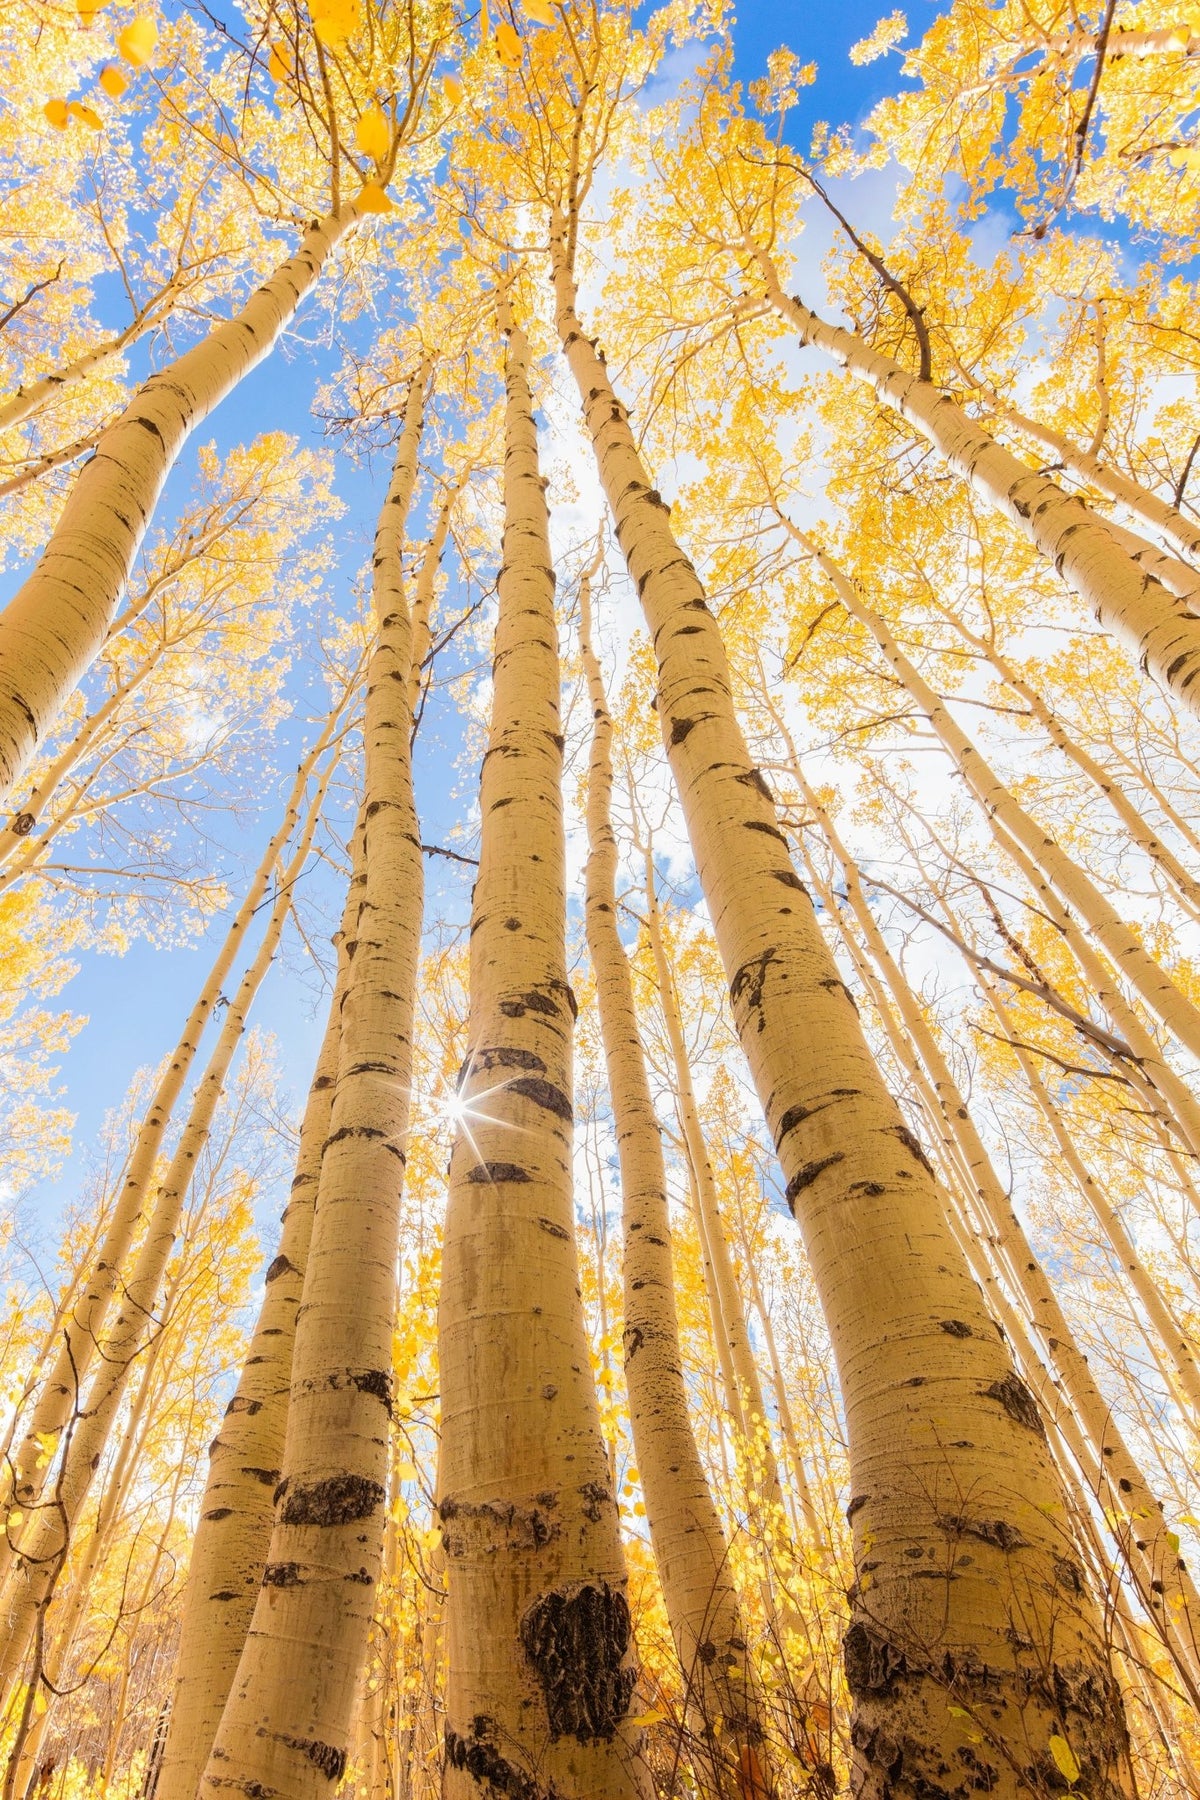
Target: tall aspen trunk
(75, 1354)
(229, 1549)
(1135, 1515)
(55, 624)
(541, 1673)
(689, 1544)
(43, 1546)
(1186, 886)
(1155, 625)
(746, 1394)
(1072, 885)
(286, 1723)
(951, 1473)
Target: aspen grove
(600, 900)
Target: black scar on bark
(495, 1172)
(504, 1056)
(543, 1093)
(326, 1757)
(339, 1501)
(804, 1178)
(375, 1381)
(873, 1665)
(912, 1144)
(281, 1575)
(754, 778)
(1017, 1402)
(750, 981)
(955, 1328)
(484, 1763)
(577, 1640)
(281, 1266)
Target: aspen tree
(541, 1674)
(53, 627)
(1073, 886)
(44, 1543)
(1135, 1515)
(229, 1549)
(1154, 624)
(83, 1329)
(73, 1357)
(287, 1721)
(886, 1266)
(690, 1549)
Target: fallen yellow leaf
(56, 112)
(508, 45)
(541, 12)
(279, 66)
(373, 133)
(84, 114)
(113, 80)
(454, 90)
(136, 42)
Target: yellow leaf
(373, 133)
(649, 1718)
(336, 20)
(1064, 1758)
(508, 45)
(113, 80)
(84, 114)
(56, 112)
(279, 66)
(454, 90)
(374, 200)
(39, 1702)
(541, 13)
(89, 8)
(136, 43)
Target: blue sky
(135, 1004)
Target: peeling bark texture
(287, 1722)
(44, 1545)
(528, 1512)
(229, 1549)
(1158, 628)
(55, 624)
(82, 1331)
(922, 1426)
(690, 1549)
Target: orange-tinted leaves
(508, 45)
(137, 41)
(113, 80)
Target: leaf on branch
(508, 45)
(137, 41)
(373, 133)
(888, 32)
(279, 64)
